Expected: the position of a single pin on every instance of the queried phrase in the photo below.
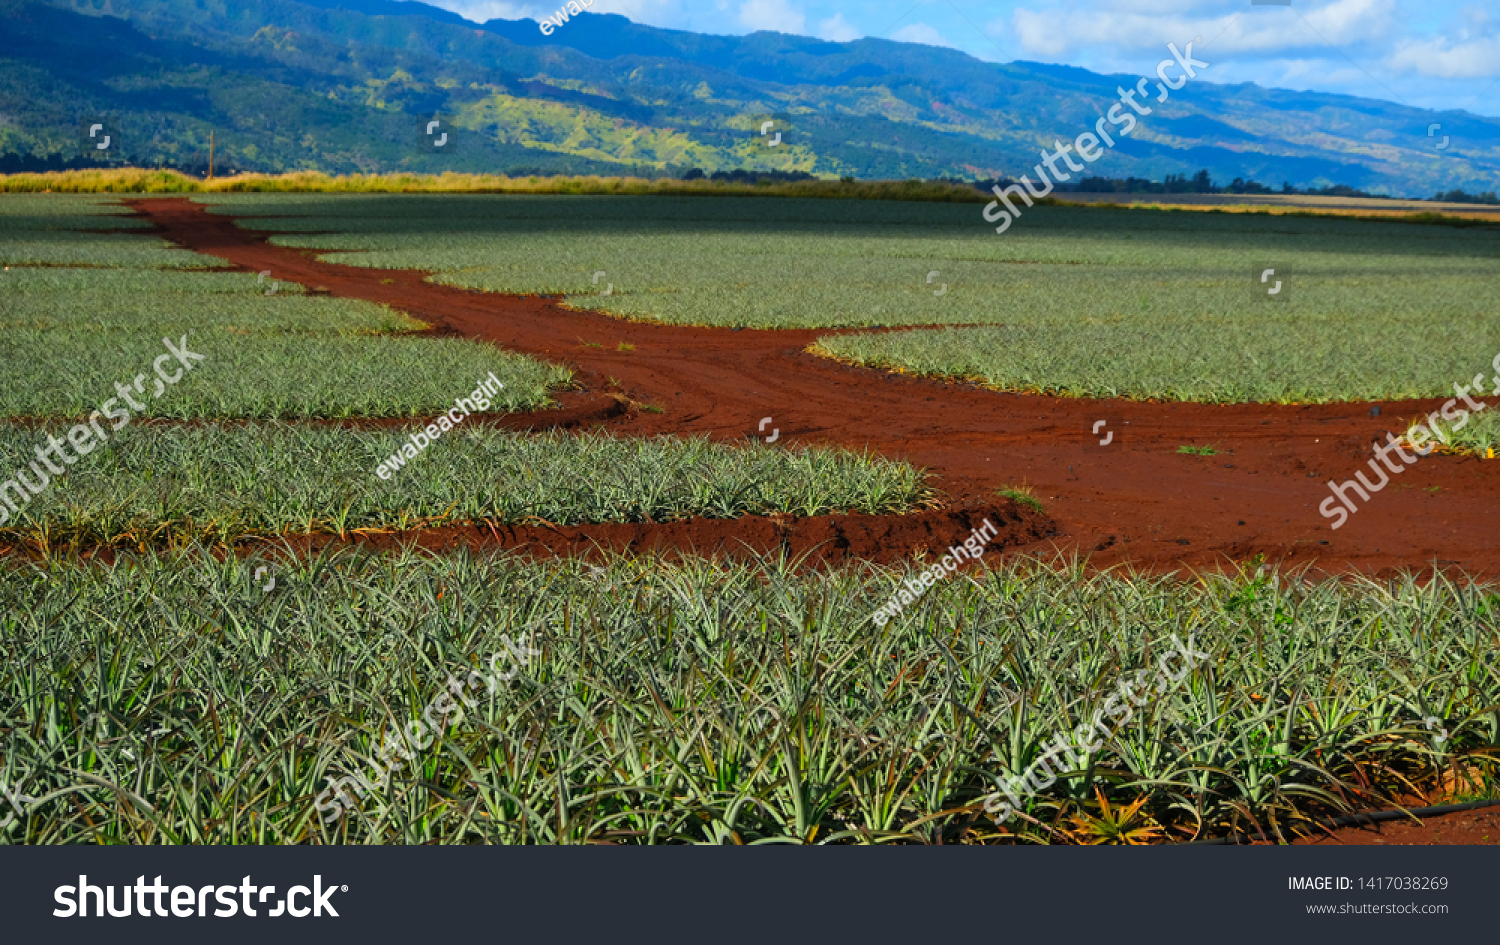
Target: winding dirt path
(1136, 500)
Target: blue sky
(1429, 53)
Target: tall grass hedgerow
(142, 181)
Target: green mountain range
(355, 86)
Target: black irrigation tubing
(1351, 819)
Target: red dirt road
(1136, 500)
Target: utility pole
(210, 155)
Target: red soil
(1136, 501)
(1471, 827)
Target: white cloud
(661, 12)
(1344, 22)
(837, 29)
(1107, 29)
(666, 13)
(1470, 50)
(1105, 33)
(481, 10)
(1436, 57)
(920, 33)
(1038, 33)
(778, 15)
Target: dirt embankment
(885, 539)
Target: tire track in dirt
(1137, 501)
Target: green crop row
(134, 300)
(89, 310)
(1480, 435)
(161, 485)
(1296, 361)
(98, 250)
(70, 372)
(40, 212)
(184, 699)
(57, 230)
(135, 288)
